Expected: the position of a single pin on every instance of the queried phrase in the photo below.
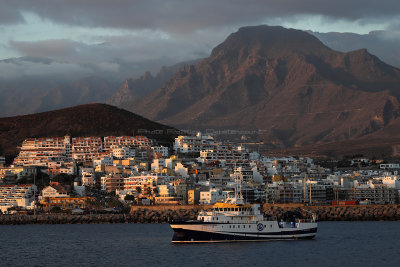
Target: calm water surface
(336, 244)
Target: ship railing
(307, 220)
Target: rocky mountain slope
(135, 89)
(283, 83)
(384, 44)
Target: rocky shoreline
(166, 214)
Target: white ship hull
(198, 231)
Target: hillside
(135, 89)
(84, 120)
(283, 83)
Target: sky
(93, 36)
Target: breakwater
(340, 213)
(165, 214)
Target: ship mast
(238, 187)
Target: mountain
(385, 44)
(135, 89)
(36, 94)
(284, 84)
(83, 120)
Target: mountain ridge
(282, 82)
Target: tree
(129, 198)
(64, 178)
(138, 190)
(156, 191)
(56, 210)
(148, 191)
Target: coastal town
(89, 174)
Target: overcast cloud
(88, 36)
(183, 16)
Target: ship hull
(189, 234)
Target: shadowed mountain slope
(283, 83)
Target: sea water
(336, 244)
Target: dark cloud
(34, 67)
(115, 58)
(158, 32)
(113, 53)
(10, 14)
(183, 16)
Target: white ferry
(234, 220)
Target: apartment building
(194, 144)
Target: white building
(104, 160)
(122, 152)
(210, 197)
(391, 181)
(126, 141)
(166, 190)
(54, 190)
(390, 166)
(193, 144)
(86, 148)
(181, 170)
(158, 164)
(40, 151)
(17, 196)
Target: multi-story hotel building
(86, 148)
(126, 141)
(40, 151)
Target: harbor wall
(165, 214)
(340, 213)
